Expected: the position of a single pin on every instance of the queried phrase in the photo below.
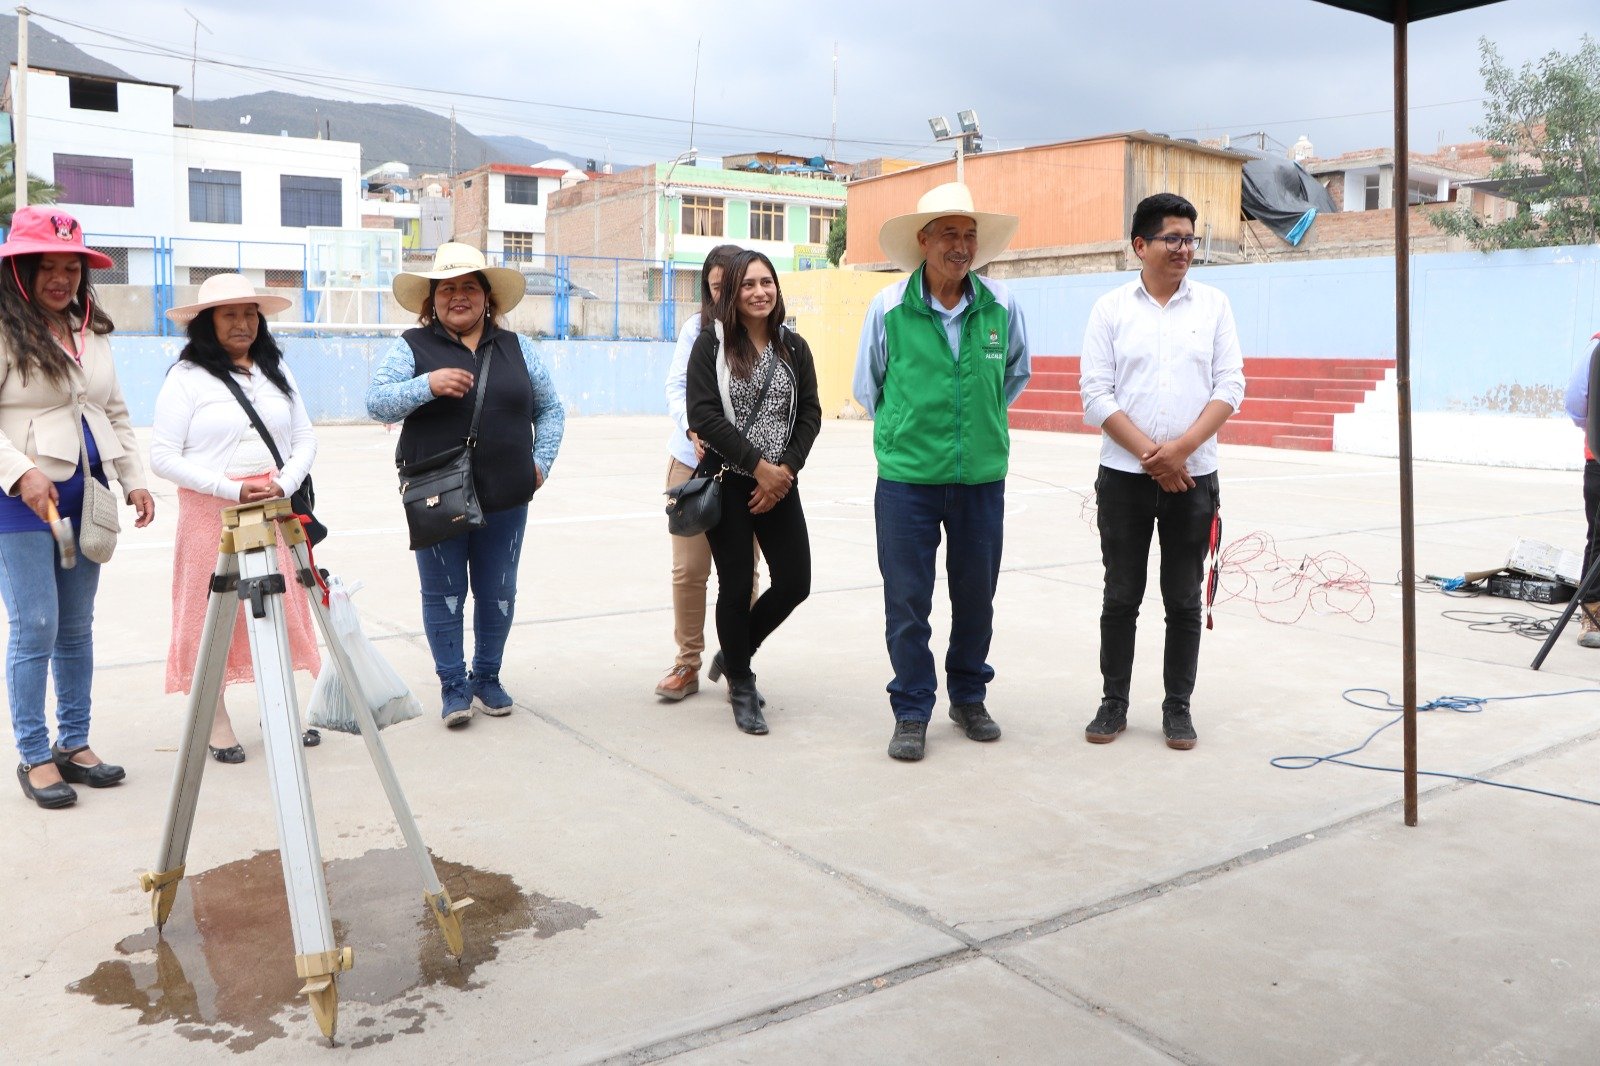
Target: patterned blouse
(769, 429)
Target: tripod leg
(209, 668)
(445, 911)
(317, 959)
(1586, 592)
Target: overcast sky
(1035, 70)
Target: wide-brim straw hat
(49, 231)
(898, 237)
(222, 289)
(452, 260)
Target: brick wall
(613, 215)
(470, 209)
(1353, 233)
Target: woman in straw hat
(56, 375)
(428, 381)
(205, 442)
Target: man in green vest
(943, 354)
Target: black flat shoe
(50, 797)
(100, 775)
(233, 754)
(310, 738)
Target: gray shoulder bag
(99, 526)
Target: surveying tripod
(247, 570)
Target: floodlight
(968, 120)
(940, 126)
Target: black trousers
(1131, 508)
(1591, 508)
(781, 532)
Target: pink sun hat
(47, 230)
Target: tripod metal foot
(320, 988)
(164, 889)
(449, 916)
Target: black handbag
(437, 492)
(302, 499)
(696, 505)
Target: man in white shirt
(1161, 372)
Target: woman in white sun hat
(205, 442)
(428, 381)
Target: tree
(1543, 127)
(39, 190)
(836, 238)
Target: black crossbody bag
(304, 498)
(438, 494)
(696, 505)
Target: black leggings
(784, 542)
(1591, 507)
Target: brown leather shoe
(680, 681)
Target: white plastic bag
(387, 696)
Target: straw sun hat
(898, 237)
(222, 289)
(452, 260)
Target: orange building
(1067, 195)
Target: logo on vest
(994, 349)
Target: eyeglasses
(1173, 241)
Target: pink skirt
(199, 534)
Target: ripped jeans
(486, 561)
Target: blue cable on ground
(1457, 704)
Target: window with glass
(1372, 188)
(522, 189)
(1422, 192)
(306, 201)
(702, 216)
(102, 181)
(518, 244)
(214, 196)
(822, 219)
(766, 221)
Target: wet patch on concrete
(222, 971)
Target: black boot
(747, 704)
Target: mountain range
(386, 132)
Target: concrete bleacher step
(1289, 403)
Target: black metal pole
(1400, 198)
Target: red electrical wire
(1284, 589)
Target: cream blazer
(37, 427)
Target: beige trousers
(691, 568)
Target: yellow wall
(828, 307)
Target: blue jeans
(51, 614)
(486, 561)
(909, 519)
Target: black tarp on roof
(1282, 194)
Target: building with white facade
(172, 204)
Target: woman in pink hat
(205, 442)
(56, 376)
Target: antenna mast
(694, 92)
(194, 58)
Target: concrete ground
(708, 897)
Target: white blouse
(202, 435)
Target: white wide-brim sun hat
(898, 237)
(452, 260)
(222, 289)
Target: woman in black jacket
(752, 398)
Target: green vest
(942, 421)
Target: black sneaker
(909, 741)
(1111, 719)
(974, 718)
(1178, 726)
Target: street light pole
(19, 158)
(968, 139)
(666, 194)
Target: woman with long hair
(205, 442)
(429, 381)
(57, 380)
(752, 390)
(691, 556)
